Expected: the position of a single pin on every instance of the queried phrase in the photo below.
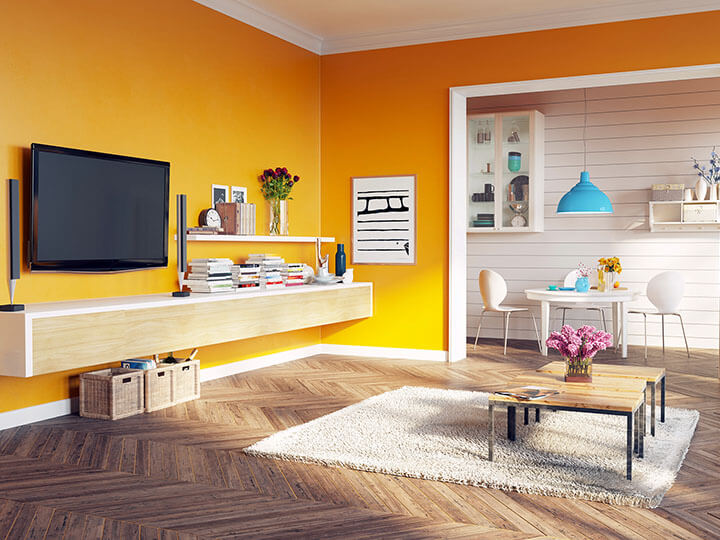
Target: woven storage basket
(187, 381)
(159, 387)
(113, 393)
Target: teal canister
(514, 161)
(340, 260)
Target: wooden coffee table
(652, 377)
(605, 395)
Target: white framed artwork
(220, 194)
(384, 220)
(238, 194)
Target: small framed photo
(220, 194)
(238, 194)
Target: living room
(222, 100)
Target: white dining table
(617, 297)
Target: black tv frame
(99, 265)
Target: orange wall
(385, 112)
(169, 80)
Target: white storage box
(700, 213)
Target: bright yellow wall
(385, 112)
(163, 79)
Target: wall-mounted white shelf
(474, 230)
(670, 216)
(256, 238)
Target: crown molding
(267, 22)
(512, 25)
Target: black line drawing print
(394, 202)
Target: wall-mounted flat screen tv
(94, 212)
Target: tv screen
(94, 212)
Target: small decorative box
(668, 192)
(700, 213)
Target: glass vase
(609, 279)
(578, 370)
(279, 225)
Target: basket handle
(126, 380)
(185, 368)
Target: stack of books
(245, 276)
(210, 276)
(484, 220)
(292, 274)
(271, 267)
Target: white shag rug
(442, 435)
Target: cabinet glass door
(481, 172)
(515, 196)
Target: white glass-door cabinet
(506, 167)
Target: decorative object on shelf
(582, 283)
(238, 194)
(483, 220)
(210, 218)
(609, 267)
(514, 161)
(237, 218)
(383, 220)
(584, 197)
(348, 276)
(519, 208)
(700, 213)
(709, 177)
(667, 192)
(220, 194)
(320, 259)
(689, 194)
(276, 187)
(579, 347)
(340, 260)
(514, 134)
(701, 189)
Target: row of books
(259, 270)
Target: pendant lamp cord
(584, 129)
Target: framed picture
(220, 194)
(238, 194)
(383, 220)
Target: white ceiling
(334, 26)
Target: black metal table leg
(629, 453)
(511, 422)
(537, 414)
(636, 431)
(643, 421)
(652, 409)
(491, 422)
(526, 416)
(662, 399)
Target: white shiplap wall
(637, 135)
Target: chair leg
(602, 317)
(662, 323)
(687, 349)
(478, 332)
(537, 334)
(506, 325)
(563, 317)
(645, 326)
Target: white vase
(713, 193)
(701, 189)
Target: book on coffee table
(528, 392)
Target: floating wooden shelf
(255, 238)
(58, 336)
(667, 216)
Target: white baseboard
(385, 352)
(36, 413)
(62, 407)
(225, 370)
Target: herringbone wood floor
(179, 473)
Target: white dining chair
(493, 290)
(569, 281)
(665, 292)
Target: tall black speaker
(181, 244)
(13, 242)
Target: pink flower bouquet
(579, 347)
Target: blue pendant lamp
(584, 197)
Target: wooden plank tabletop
(648, 374)
(604, 393)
